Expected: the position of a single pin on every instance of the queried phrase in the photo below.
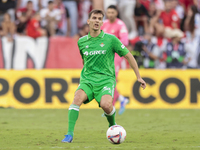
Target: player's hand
(142, 83)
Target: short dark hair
(112, 7)
(96, 11)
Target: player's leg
(79, 98)
(103, 94)
(109, 109)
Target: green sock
(72, 117)
(111, 117)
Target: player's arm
(129, 57)
(121, 50)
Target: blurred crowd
(162, 33)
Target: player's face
(95, 21)
(111, 14)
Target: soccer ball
(116, 134)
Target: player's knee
(107, 106)
(79, 98)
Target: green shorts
(96, 91)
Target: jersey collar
(101, 35)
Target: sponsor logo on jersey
(106, 89)
(102, 45)
(97, 52)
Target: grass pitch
(146, 129)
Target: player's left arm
(121, 50)
(129, 57)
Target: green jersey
(98, 55)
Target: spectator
(82, 32)
(178, 8)
(37, 5)
(71, 5)
(153, 15)
(23, 16)
(192, 21)
(84, 7)
(33, 27)
(193, 52)
(193, 39)
(64, 25)
(175, 50)
(169, 17)
(126, 13)
(141, 17)
(7, 6)
(166, 19)
(138, 53)
(8, 27)
(152, 52)
(50, 17)
(152, 11)
(146, 52)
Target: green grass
(146, 129)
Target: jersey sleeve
(118, 47)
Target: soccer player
(97, 79)
(117, 27)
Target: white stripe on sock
(74, 106)
(74, 109)
(110, 114)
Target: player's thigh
(84, 94)
(104, 90)
(106, 102)
(79, 97)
